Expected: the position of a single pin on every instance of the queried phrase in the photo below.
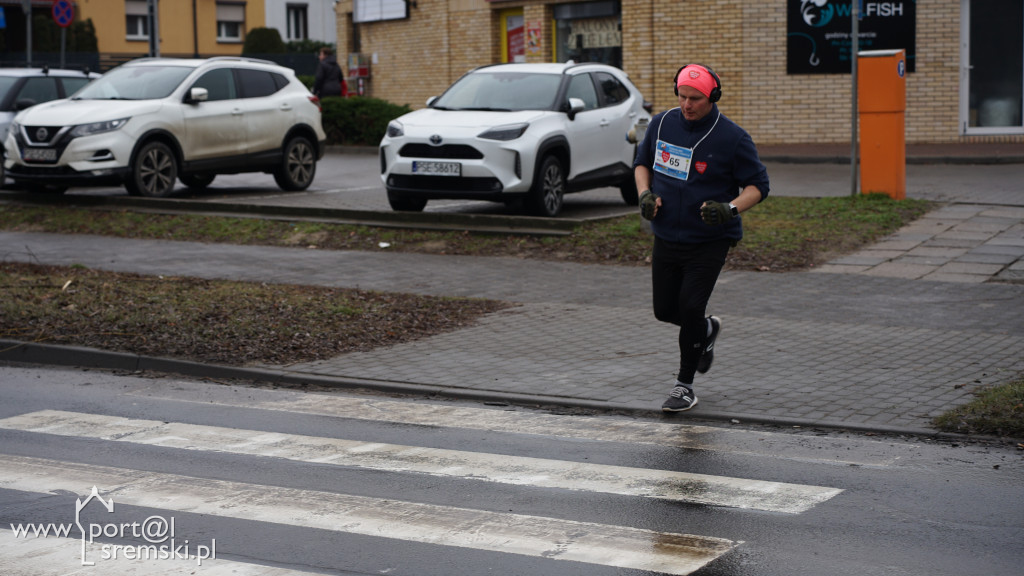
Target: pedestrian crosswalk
(454, 525)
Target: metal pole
(26, 6)
(154, 29)
(63, 43)
(854, 49)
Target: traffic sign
(63, 13)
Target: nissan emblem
(42, 134)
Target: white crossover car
(22, 88)
(517, 131)
(152, 121)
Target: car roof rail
(244, 59)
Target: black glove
(715, 213)
(648, 204)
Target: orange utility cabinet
(882, 103)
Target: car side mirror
(196, 95)
(431, 100)
(23, 103)
(576, 105)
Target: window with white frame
(230, 21)
(136, 20)
(297, 22)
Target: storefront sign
(594, 33)
(818, 39)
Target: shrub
(263, 41)
(358, 121)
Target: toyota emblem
(435, 139)
(42, 134)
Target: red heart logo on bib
(701, 166)
(665, 156)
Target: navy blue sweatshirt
(724, 162)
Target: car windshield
(501, 91)
(135, 83)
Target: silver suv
(150, 122)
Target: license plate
(437, 168)
(39, 154)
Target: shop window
(297, 22)
(136, 20)
(230, 21)
(995, 66)
(589, 32)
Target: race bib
(672, 160)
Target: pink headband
(698, 77)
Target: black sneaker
(680, 399)
(708, 355)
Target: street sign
(63, 13)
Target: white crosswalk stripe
(542, 537)
(680, 486)
(759, 443)
(511, 533)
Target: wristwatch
(735, 211)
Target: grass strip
(222, 322)
(781, 234)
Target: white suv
(517, 131)
(152, 121)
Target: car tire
(403, 203)
(298, 165)
(546, 196)
(153, 171)
(197, 181)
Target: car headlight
(395, 129)
(98, 127)
(505, 133)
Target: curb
(61, 355)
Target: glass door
(992, 53)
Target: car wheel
(153, 171)
(197, 181)
(629, 193)
(403, 203)
(545, 198)
(298, 167)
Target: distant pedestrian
(328, 80)
(695, 171)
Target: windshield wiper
(486, 109)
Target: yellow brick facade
(176, 25)
(745, 42)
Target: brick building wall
(745, 42)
